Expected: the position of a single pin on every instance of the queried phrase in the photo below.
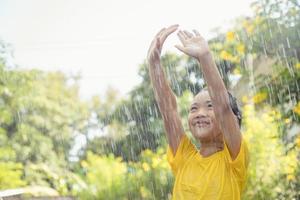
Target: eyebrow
(195, 103)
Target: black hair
(235, 108)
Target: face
(202, 121)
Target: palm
(192, 45)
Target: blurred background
(78, 117)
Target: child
(218, 170)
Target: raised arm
(194, 45)
(164, 96)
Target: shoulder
(185, 149)
(242, 159)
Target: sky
(105, 41)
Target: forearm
(216, 87)
(163, 93)
(166, 101)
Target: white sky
(104, 40)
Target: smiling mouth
(202, 124)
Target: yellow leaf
(245, 23)
(155, 162)
(244, 99)
(250, 29)
(147, 152)
(144, 192)
(235, 59)
(290, 177)
(84, 164)
(240, 48)
(259, 97)
(298, 141)
(296, 109)
(258, 20)
(230, 36)
(146, 166)
(236, 71)
(287, 120)
(225, 55)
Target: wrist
(204, 56)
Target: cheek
(212, 115)
(189, 120)
(213, 119)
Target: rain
(159, 133)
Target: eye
(193, 108)
(209, 105)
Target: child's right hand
(157, 43)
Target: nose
(201, 112)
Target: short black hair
(235, 108)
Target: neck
(210, 147)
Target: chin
(202, 133)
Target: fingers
(159, 39)
(197, 33)
(184, 36)
(161, 36)
(188, 34)
(180, 48)
(181, 37)
(159, 32)
(155, 38)
(167, 32)
(154, 41)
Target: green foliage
(271, 168)
(271, 34)
(111, 178)
(104, 176)
(42, 114)
(39, 119)
(64, 181)
(11, 175)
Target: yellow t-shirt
(209, 178)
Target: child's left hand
(192, 44)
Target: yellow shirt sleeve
(240, 164)
(185, 149)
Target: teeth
(202, 122)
